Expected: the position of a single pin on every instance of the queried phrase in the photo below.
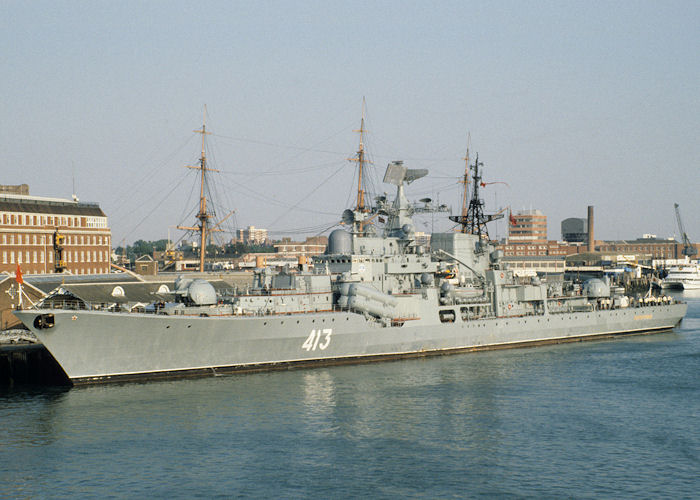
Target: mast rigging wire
(308, 195)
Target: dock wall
(29, 364)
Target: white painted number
(327, 339)
(308, 344)
(312, 342)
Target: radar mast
(473, 220)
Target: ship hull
(96, 347)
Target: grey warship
(375, 294)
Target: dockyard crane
(688, 248)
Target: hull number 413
(314, 339)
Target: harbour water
(614, 419)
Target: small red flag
(513, 222)
(18, 275)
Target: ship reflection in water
(597, 419)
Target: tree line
(229, 250)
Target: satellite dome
(596, 288)
(339, 242)
(201, 293)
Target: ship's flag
(18, 275)
(513, 222)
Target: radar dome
(339, 242)
(201, 293)
(596, 288)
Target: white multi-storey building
(252, 235)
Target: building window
(26, 254)
(41, 255)
(19, 257)
(35, 261)
(12, 257)
(4, 257)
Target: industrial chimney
(591, 234)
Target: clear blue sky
(570, 103)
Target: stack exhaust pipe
(591, 234)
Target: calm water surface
(605, 419)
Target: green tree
(141, 247)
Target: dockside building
(46, 235)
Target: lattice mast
(474, 220)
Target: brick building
(528, 226)
(35, 230)
(548, 248)
(312, 246)
(648, 245)
(527, 237)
